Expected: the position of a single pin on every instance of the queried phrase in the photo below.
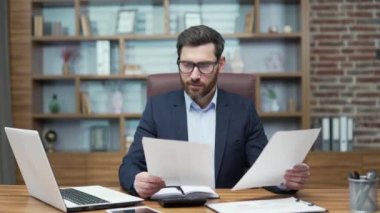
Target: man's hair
(200, 35)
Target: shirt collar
(191, 105)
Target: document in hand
(284, 150)
(290, 204)
(179, 163)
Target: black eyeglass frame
(197, 65)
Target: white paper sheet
(284, 150)
(179, 163)
(290, 204)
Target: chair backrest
(240, 83)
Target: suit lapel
(178, 116)
(223, 113)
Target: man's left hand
(296, 178)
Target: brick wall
(345, 74)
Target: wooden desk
(15, 198)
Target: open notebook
(185, 191)
(41, 183)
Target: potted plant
(272, 96)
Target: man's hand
(146, 185)
(296, 178)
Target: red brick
(367, 94)
(360, 14)
(324, 7)
(347, 110)
(332, 21)
(330, 1)
(362, 43)
(325, 37)
(364, 28)
(347, 65)
(334, 87)
(325, 110)
(331, 43)
(346, 80)
(347, 37)
(364, 102)
(324, 65)
(360, 72)
(323, 79)
(375, 6)
(326, 94)
(369, 36)
(334, 102)
(348, 50)
(362, 57)
(332, 58)
(329, 72)
(334, 29)
(324, 51)
(371, 124)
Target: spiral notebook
(290, 204)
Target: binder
(335, 135)
(326, 139)
(350, 134)
(343, 134)
(103, 66)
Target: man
(202, 113)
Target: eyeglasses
(205, 67)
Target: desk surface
(15, 198)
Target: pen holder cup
(363, 194)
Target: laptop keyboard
(80, 198)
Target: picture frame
(126, 20)
(192, 19)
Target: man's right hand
(146, 185)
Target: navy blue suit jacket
(239, 137)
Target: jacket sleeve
(134, 162)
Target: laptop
(41, 183)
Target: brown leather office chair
(240, 83)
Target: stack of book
(38, 25)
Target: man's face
(196, 84)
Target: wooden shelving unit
(46, 78)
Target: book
(249, 21)
(290, 204)
(38, 25)
(185, 191)
(103, 66)
(85, 23)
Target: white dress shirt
(201, 123)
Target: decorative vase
(275, 107)
(237, 64)
(65, 68)
(54, 104)
(117, 102)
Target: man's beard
(203, 91)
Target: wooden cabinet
(104, 98)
